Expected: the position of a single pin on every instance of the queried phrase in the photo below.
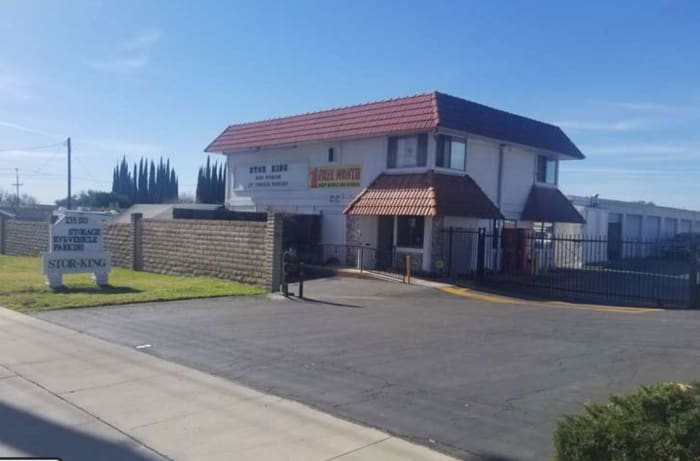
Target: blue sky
(164, 78)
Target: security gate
(654, 273)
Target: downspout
(499, 190)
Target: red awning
(423, 194)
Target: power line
(12, 149)
(46, 162)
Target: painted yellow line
(467, 293)
(471, 294)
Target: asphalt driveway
(476, 379)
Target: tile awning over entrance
(423, 194)
(549, 204)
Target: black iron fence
(596, 268)
(322, 260)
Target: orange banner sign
(335, 176)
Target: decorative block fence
(244, 251)
(23, 238)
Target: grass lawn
(22, 287)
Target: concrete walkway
(69, 395)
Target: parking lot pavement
(72, 396)
(474, 378)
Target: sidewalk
(66, 394)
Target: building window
(407, 151)
(409, 231)
(451, 152)
(543, 233)
(332, 155)
(546, 169)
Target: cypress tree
(200, 180)
(115, 180)
(172, 183)
(147, 182)
(134, 186)
(152, 184)
(221, 190)
(143, 182)
(207, 182)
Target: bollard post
(449, 254)
(408, 269)
(480, 255)
(301, 279)
(285, 283)
(694, 295)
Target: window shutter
(440, 150)
(422, 149)
(391, 154)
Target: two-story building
(391, 174)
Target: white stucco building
(643, 221)
(392, 174)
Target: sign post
(75, 246)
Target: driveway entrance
(478, 380)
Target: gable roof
(423, 112)
(423, 194)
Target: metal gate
(539, 263)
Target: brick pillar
(273, 252)
(3, 236)
(137, 241)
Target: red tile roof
(549, 204)
(415, 113)
(423, 194)
(422, 112)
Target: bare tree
(9, 199)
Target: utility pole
(69, 178)
(17, 184)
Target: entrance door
(614, 241)
(385, 241)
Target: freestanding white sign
(76, 245)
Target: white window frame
(556, 170)
(466, 150)
(398, 156)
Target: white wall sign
(76, 245)
(271, 176)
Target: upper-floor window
(407, 151)
(546, 170)
(332, 155)
(451, 152)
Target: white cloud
(650, 107)
(131, 55)
(121, 65)
(626, 172)
(144, 40)
(645, 149)
(14, 88)
(121, 147)
(587, 125)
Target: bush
(656, 423)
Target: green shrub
(656, 423)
